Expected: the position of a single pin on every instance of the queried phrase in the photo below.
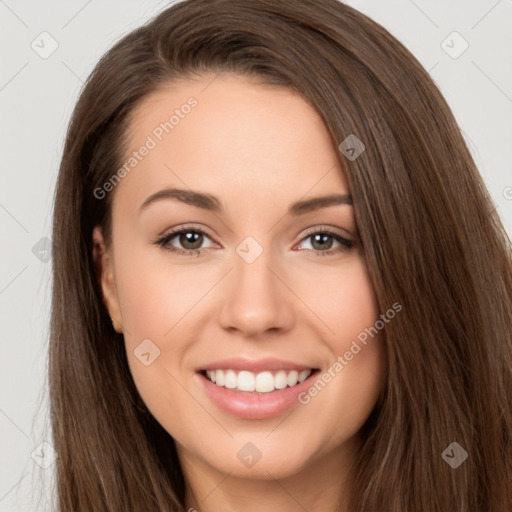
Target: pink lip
(256, 366)
(253, 405)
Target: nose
(256, 300)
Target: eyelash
(165, 239)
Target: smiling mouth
(261, 382)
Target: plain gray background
(37, 94)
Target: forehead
(231, 136)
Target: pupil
(188, 238)
(322, 238)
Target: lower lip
(251, 405)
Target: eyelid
(346, 243)
(320, 228)
(191, 227)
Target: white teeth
(230, 379)
(303, 375)
(219, 378)
(245, 381)
(292, 377)
(280, 380)
(263, 382)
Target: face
(232, 280)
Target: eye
(191, 240)
(322, 241)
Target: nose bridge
(257, 300)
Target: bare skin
(258, 149)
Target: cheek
(159, 305)
(344, 301)
(346, 391)
(155, 297)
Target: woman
(202, 356)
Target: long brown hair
(430, 235)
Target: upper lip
(255, 365)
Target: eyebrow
(211, 203)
